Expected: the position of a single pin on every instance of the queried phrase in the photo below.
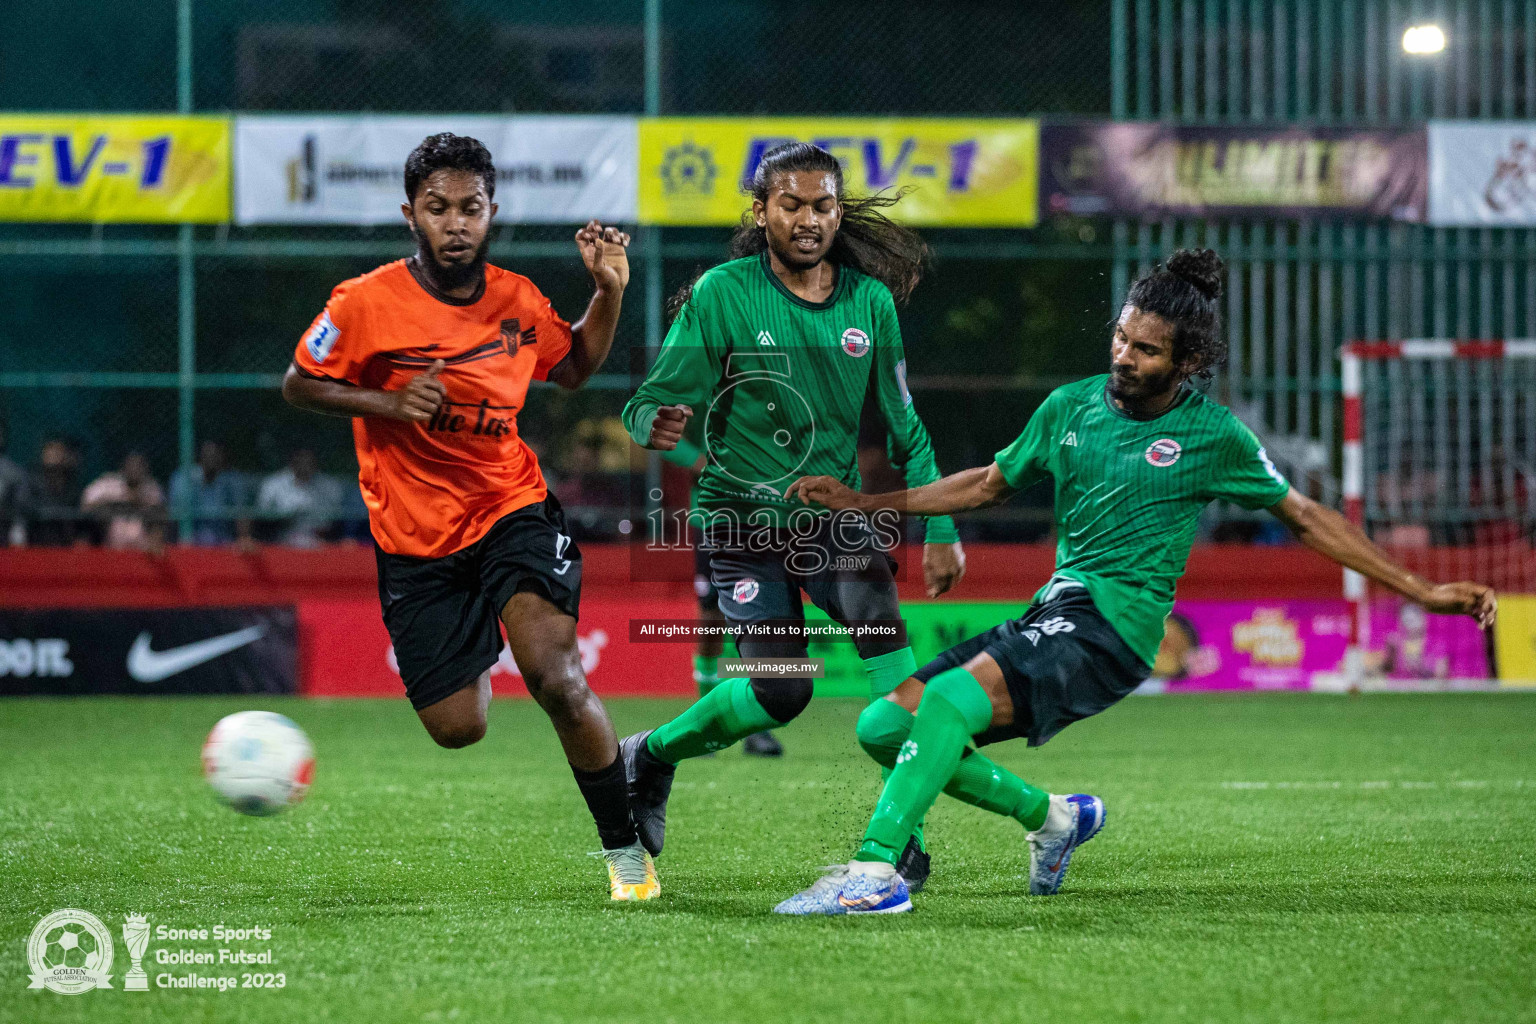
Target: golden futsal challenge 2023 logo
(71, 952)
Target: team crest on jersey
(744, 592)
(1165, 452)
(321, 338)
(513, 339)
(855, 342)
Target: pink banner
(1286, 645)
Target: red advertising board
(344, 651)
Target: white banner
(1482, 173)
(329, 169)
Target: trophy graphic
(136, 937)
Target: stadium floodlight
(1422, 40)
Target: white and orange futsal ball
(258, 762)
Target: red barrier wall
(89, 578)
(345, 651)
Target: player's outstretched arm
(603, 251)
(1330, 534)
(981, 487)
(418, 401)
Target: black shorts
(444, 614)
(1062, 662)
(841, 566)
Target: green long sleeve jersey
(779, 383)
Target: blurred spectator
(596, 470)
(56, 495)
(213, 495)
(306, 501)
(1408, 496)
(354, 514)
(15, 497)
(129, 505)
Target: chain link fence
(866, 58)
(94, 351)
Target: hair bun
(1200, 267)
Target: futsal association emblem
(855, 342)
(1165, 452)
(744, 592)
(70, 952)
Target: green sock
(979, 781)
(888, 671)
(917, 830)
(726, 714)
(982, 783)
(954, 708)
(706, 672)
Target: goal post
(1439, 468)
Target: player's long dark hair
(1184, 292)
(866, 240)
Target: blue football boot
(1050, 852)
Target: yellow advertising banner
(963, 173)
(1514, 639)
(102, 168)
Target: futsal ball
(70, 945)
(258, 762)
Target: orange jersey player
(431, 357)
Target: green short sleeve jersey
(779, 383)
(1129, 494)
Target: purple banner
(1288, 645)
(1139, 169)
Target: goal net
(1440, 469)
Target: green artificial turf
(1265, 858)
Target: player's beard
(793, 258)
(1141, 388)
(452, 276)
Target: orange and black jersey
(435, 488)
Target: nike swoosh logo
(862, 901)
(148, 666)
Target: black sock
(607, 798)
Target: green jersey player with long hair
(777, 350)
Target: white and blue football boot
(820, 898)
(1050, 850)
(865, 893)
